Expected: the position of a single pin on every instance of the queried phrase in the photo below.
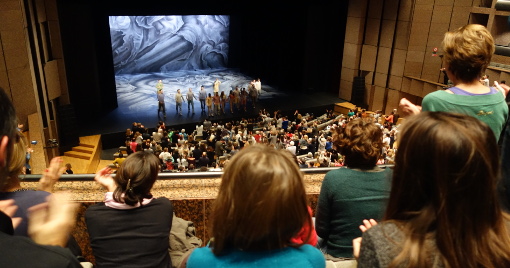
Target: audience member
(49, 223)
(467, 53)
(443, 209)
(261, 206)
(349, 195)
(131, 227)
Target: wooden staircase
(85, 157)
(83, 151)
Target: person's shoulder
(162, 201)
(201, 257)
(385, 230)
(30, 196)
(97, 207)
(23, 252)
(437, 94)
(314, 256)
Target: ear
(4, 143)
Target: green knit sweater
(348, 197)
(491, 109)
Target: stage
(137, 101)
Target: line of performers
(215, 103)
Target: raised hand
(51, 223)
(51, 175)
(9, 208)
(104, 178)
(356, 242)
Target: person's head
(7, 133)
(201, 87)
(360, 142)
(178, 90)
(468, 51)
(261, 202)
(68, 166)
(444, 181)
(189, 89)
(18, 157)
(135, 178)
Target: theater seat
(342, 264)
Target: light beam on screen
(145, 44)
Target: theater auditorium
(195, 83)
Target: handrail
(173, 175)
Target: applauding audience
(443, 209)
(131, 227)
(261, 206)
(349, 195)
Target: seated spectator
(131, 227)
(50, 223)
(349, 195)
(24, 197)
(119, 160)
(261, 206)
(443, 209)
(69, 169)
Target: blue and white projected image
(144, 44)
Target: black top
(18, 251)
(130, 238)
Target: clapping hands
(356, 242)
(104, 178)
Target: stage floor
(137, 101)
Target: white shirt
(292, 149)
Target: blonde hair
(261, 202)
(18, 157)
(468, 51)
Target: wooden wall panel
(395, 82)
(368, 58)
(52, 79)
(351, 56)
(372, 32)
(387, 33)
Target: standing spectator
(468, 96)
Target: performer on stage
(161, 100)
(252, 92)
(190, 96)
(178, 102)
(216, 86)
(159, 85)
(258, 86)
(202, 95)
